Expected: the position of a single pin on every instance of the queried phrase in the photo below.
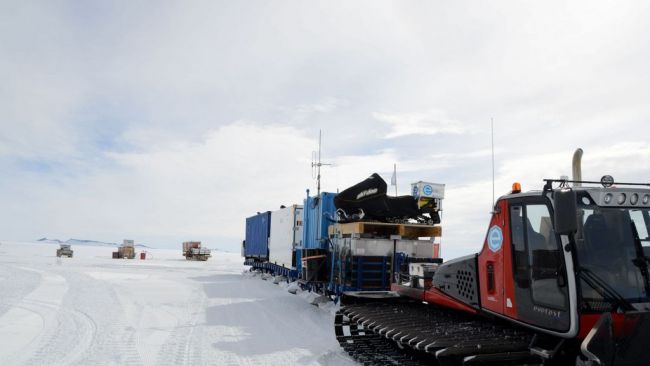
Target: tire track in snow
(184, 346)
(67, 334)
(44, 301)
(16, 283)
(97, 299)
(70, 337)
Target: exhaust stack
(577, 167)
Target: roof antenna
(492, 133)
(316, 163)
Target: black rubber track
(411, 333)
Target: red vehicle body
(565, 268)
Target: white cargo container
(128, 243)
(286, 234)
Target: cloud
(201, 189)
(431, 122)
(325, 105)
(120, 122)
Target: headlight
(646, 199)
(634, 198)
(608, 198)
(621, 198)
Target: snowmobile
(563, 278)
(368, 201)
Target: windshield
(612, 245)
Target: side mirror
(566, 212)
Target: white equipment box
(384, 247)
(428, 190)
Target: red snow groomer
(562, 279)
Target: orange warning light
(516, 187)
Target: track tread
(413, 333)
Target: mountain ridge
(96, 243)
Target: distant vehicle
(192, 251)
(126, 250)
(64, 251)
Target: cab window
(537, 256)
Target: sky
(168, 121)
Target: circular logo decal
(427, 190)
(495, 238)
(415, 190)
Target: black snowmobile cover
(369, 197)
(403, 207)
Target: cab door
(541, 294)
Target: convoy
(192, 251)
(563, 277)
(64, 251)
(322, 244)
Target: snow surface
(94, 310)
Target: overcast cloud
(165, 121)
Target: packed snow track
(94, 310)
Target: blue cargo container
(318, 215)
(258, 230)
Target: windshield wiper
(604, 289)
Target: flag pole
(395, 175)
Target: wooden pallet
(380, 229)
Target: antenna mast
(316, 162)
(492, 133)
